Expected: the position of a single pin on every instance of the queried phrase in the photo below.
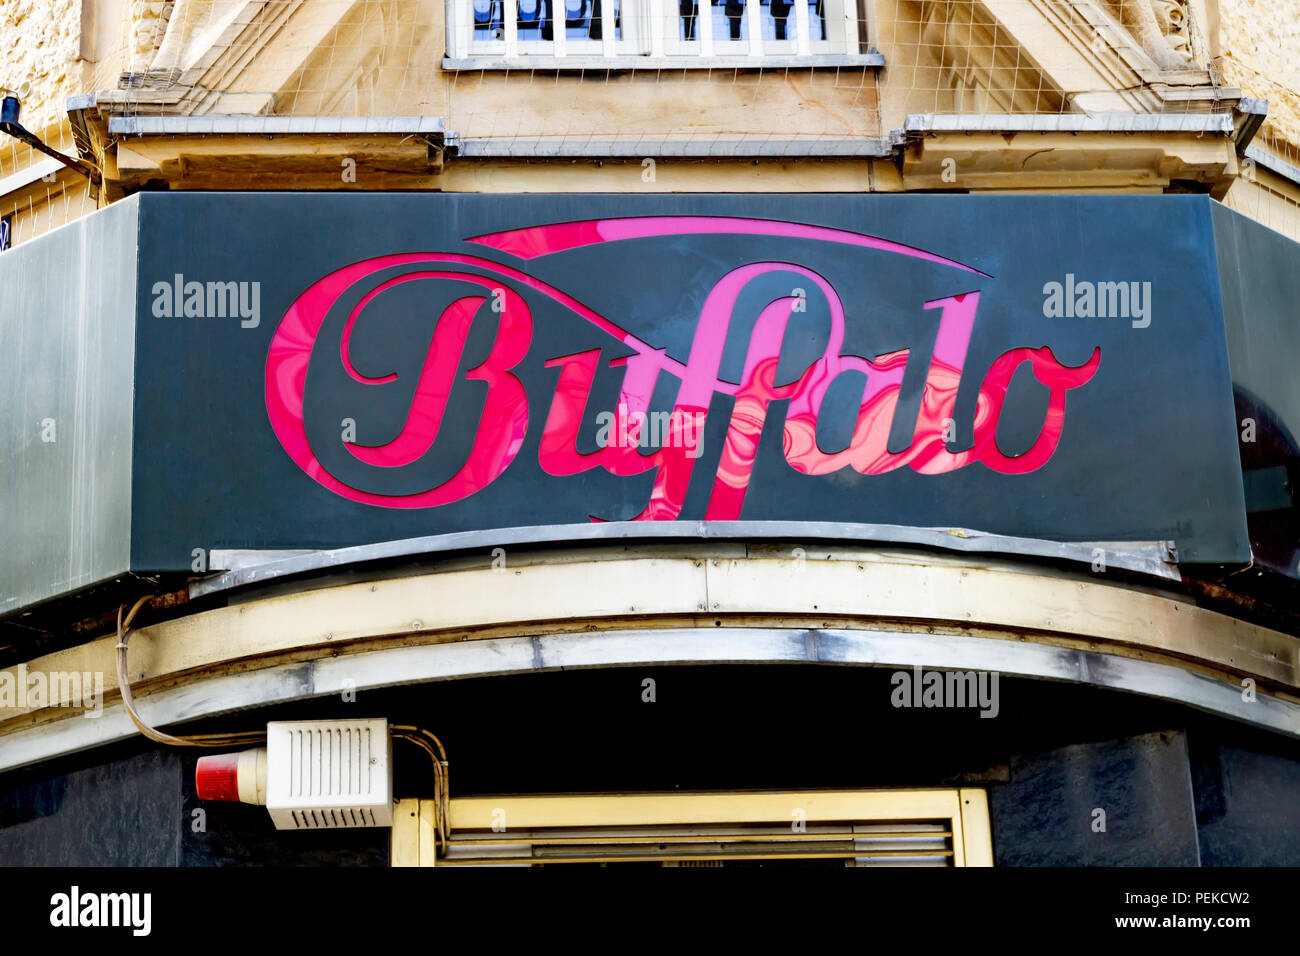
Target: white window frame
(511, 46)
(839, 38)
(870, 827)
(650, 31)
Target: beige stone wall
(1259, 44)
(1259, 47)
(144, 33)
(684, 105)
(1269, 200)
(44, 206)
(383, 58)
(374, 58)
(41, 40)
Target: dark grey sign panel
(1260, 285)
(336, 369)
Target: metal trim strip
(392, 667)
(1144, 557)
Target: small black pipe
(9, 111)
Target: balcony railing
(638, 34)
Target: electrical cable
(439, 834)
(128, 701)
(418, 736)
(427, 742)
(441, 773)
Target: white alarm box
(329, 773)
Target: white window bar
(654, 24)
(754, 21)
(461, 29)
(609, 26)
(510, 14)
(803, 41)
(653, 27)
(560, 27)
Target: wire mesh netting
(541, 78)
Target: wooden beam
(1032, 160)
(464, 604)
(359, 162)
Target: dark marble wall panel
(1046, 815)
(1247, 803)
(122, 813)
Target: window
(6, 225)
(677, 33)
(831, 828)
